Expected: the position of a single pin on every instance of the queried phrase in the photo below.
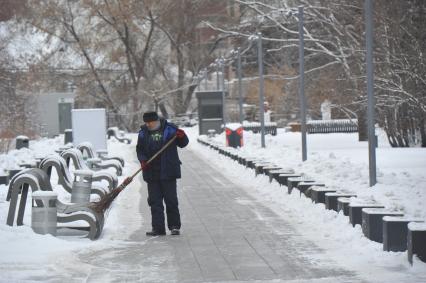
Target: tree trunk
(422, 132)
(163, 110)
(362, 124)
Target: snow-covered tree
(334, 33)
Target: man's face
(152, 124)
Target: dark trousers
(157, 192)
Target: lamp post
(221, 63)
(302, 98)
(240, 91)
(370, 92)
(261, 88)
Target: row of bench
(396, 231)
(50, 214)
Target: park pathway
(227, 236)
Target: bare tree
(334, 45)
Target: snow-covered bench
(77, 157)
(267, 169)
(395, 232)
(372, 222)
(331, 199)
(36, 180)
(114, 132)
(262, 164)
(4, 178)
(65, 178)
(355, 210)
(87, 147)
(283, 178)
(293, 182)
(416, 241)
(343, 205)
(318, 193)
(304, 187)
(274, 174)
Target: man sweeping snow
(161, 174)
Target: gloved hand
(180, 134)
(144, 165)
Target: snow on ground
(26, 254)
(339, 161)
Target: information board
(89, 125)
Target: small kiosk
(210, 111)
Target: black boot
(156, 233)
(175, 232)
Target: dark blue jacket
(170, 163)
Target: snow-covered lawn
(340, 161)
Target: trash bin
(68, 136)
(44, 212)
(4, 179)
(111, 132)
(22, 141)
(234, 135)
(13, 172)
(211, 133)
(81, 186)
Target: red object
(180, 134)
(144, 165)
(240, 131)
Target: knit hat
(150, 116)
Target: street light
(258, 38)
(302, 98)
(261, 88)
(221, 64)
(237, 53)
(370, 92)
(240, 91)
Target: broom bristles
(106, 200)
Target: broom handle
(155, 155)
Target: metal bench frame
(37, 179)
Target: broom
(105, 202)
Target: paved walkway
(226, 236)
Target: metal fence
(270, 128)
(332, 126)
